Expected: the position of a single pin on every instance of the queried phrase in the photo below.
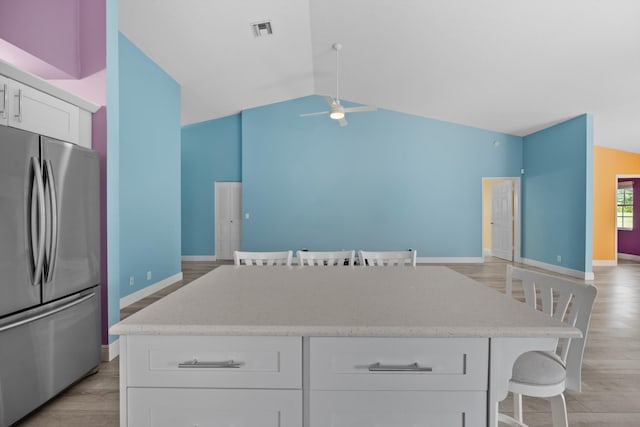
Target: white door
(228, 211)
(502, 220)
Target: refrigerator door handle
(47, 313)
(53, 197)
(37, 222)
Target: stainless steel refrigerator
(49, 269)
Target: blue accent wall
(386, 181)
(149, 170)
(211, 151)
(557, 195)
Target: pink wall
(48, 29)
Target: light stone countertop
(425, 301)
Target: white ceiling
(513, 66)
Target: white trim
(557, 269)
(38, 83)
(199, 258)
(449, 260)
(110, 351)
(487, 252)
(630, 257)
(145, 292)
(604, 262)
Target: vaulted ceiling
(513, 66)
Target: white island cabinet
(326, 347)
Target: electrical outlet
(149, 275)
(131, 280)
(559, 258)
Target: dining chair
(262, 258)
(326, 258)
(548, 374)
(388, 258)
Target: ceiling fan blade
(329, 100)
(360, 109)
(343, 122)
(314, 114)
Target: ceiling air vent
(261, 29)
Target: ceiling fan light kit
(337, 111)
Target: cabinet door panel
(397, 409)
(214, 408)
(41, 113)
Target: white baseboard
(110, 351)
(604, 262)
(449, 260)
(487, 252)
(629, 257)
(142, 293)
(558, 269)
(199, 258)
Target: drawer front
(214, 408)
(397, 408)
(216, 362)
(398, 363)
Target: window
(625, 205)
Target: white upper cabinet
(30, 103)
(39, 112)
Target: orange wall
(608, 163)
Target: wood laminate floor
(611, 368)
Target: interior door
(502, 220)
(228, 212)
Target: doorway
(627, 231)
(501, 222)
(228, 218)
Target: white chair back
(326, 258)
(388, 258)
(568, 301)
(262, 258)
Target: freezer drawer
(43, 354)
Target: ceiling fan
(337, 111)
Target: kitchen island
(314, 346)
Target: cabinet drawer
(398, 363)
(214, 408)
(216, 362)
(397, 408)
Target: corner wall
(557, 196)
(149, 171)
(211, 151)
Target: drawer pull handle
(195, 363)
(414, 367)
